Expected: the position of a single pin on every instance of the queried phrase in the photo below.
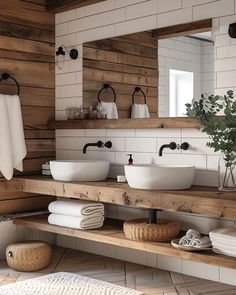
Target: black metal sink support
(152, 216)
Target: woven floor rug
(64, 283)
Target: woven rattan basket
(139, 230)
(28, 255)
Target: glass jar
(76, 113)
(226, 173)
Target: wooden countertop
(199, 200)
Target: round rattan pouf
(28, 255)
(140, 230)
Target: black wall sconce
(61, 52)
(232, 30)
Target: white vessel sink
(80, 170)
(165, 177)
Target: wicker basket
(28, 255)
(140, 230)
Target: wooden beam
(183, 29)
(64, 5)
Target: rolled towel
(201, 242)
(192, 234)
(76, 222)
(76, 208)
(139, 111)
(184, 241)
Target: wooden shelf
(199, 200)
(113, 235)
(178, 122)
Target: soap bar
(121, 178)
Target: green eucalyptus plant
(218, 118)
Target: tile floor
(149, 280)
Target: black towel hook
(138, 89)
(106, 86)
(6, 76)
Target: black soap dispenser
(130, 161)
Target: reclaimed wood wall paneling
(124, 62)
(27, 44)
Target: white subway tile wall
(201, 270)
(119, 17)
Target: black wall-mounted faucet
(172, 145)
(99, 144)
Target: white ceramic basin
(80, 170)
(153, 176)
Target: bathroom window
(180, 91)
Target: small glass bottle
(99, 111)
(90, 112)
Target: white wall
(119, 17)
(11, 233)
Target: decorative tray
(175, 244)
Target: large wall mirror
(171, 66)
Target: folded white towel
(76, 208)
(192, 234)
(224, 252)
(12, 143)
(110, 109)
(201, 242)
(224, 233)
(229, 242)
(184, 241)
(139, 111)
(76, 222)
(224, 247)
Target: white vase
(226, 175)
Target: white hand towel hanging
(12, 144)
(139, 111)
(110, 109)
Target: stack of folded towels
(224, 240)
(76, 214)
(194, 239)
